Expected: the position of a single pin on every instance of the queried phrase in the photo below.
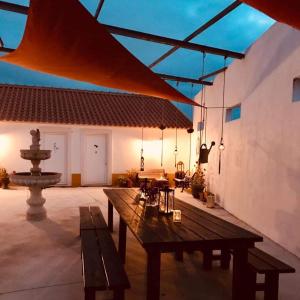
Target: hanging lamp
(142, 159)
(222, 145)
(190, 131)
(176, 146)
(162, 127)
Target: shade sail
(285, 11)
(62, 38)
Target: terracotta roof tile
(67, 106)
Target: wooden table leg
(122, 240)
(239, 277)
(271, 286)
(110, 219)
(153, 274)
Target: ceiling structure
(170, 43)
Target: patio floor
(41, 260)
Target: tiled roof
(67, 106)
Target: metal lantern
(166, 200)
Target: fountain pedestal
(35, 179)
(36, 210)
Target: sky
(171, 18)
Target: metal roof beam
(202, 28)
(212, 73)
(183, 79)
(98, 10)
(143, 36)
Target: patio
(41, 260)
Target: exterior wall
(260, 174)
(123, 147)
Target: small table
(158, 234)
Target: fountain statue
(36, 180)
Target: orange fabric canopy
(62, 38)
(285, 11)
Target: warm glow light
(221, 146)
(4, 145)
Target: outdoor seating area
(51, 269)
(149, 150)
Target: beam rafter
(143, 36)
(183, 79)
(202, 28)
(98, 10)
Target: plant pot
(210, 201)
(5, 183)
(129, 183)
(197, 189)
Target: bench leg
(122, 240)
(251, 279)
(240, 286)
(89, 294)
(207, 259)
(153, 274)
(271, 286)
(225, 259)
(110, 220)
(119, 294)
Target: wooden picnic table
(158, 234)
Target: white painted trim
(108, 142)
(66, 134)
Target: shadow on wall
(275, 57)
(290, 230)
(287, 220)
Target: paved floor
(41, 260)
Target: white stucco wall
(260, 175)
(123, 145)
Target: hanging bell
(204, 152)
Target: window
(233, 113)
(296, 90)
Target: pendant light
(142, 159)
(221, 145)
(162, 127)
(190, 131)
(176, 146)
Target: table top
(197, 228)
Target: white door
(57, 143)
(95, 168)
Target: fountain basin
(30, 154)
(44, 180)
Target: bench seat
(102, 268)
(260, 262)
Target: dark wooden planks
(116, 275)
(91, 218)
(94, 274)
(263, 262)
(197, 227)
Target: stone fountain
(36, 180)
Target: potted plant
(4, 178)
(122, 181)
(132, 175)
(198, 183)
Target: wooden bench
(260, 262)
(102, 268)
